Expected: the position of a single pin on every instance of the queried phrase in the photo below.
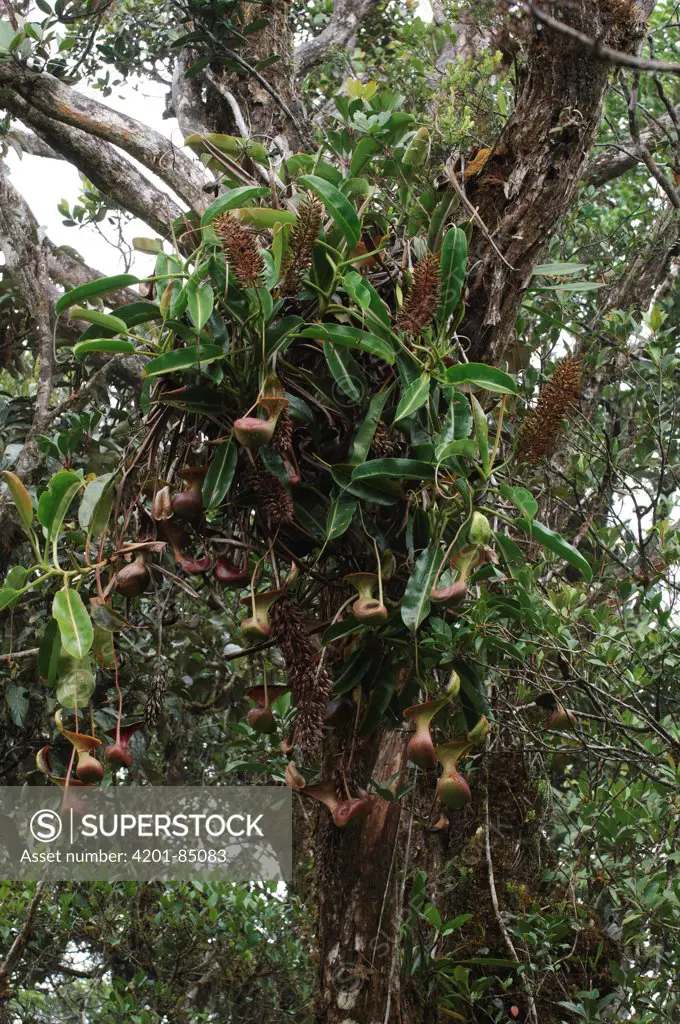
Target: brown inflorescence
(240, 247)
(283, 434)
(272, 498)
(301, 243)
(421, 302)
(309, 680)
(543, 424)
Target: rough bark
(339, 33)
(269, 100)
(531, 177)
(360, 882)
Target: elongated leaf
(17, 703)
(483, 376)
(54, 502)
(99, 287)
(110, 345)
(103, 647)
(556, 543)
(75, 626)
(94, 316)
(230, 200)
(183, 359)
(465, 447)
(366, 432)
(346, 371)
(521, 498)
(415, 605)
(263, 218)
(94, 492)
(49, 651)
(413, 398)
(401, 469)
(481, 432)
(20, 497)
(350, 337)
(220, 474)
(363, 151)
(200, 300)
(339, 517)
(558, 269)
(458, 421)
(452, 261)
(341, 210)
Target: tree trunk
(531, 176)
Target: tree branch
(614, 162)
(60, 102)
(339, 33)
(110, 172)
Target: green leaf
(366, 431)
(112, 345)
(49, 652)
(452, 262)
(17, 703)
(94, 492)
(54, 502)
(20, 497)
(458, 421)
(183, 359)
(465, 447)
(350, 337)
(481, 432)
(103, 647)
(200, 300)
(558, 269)
(263, 219)
(346, 371)
(402, 469)
(76, 682)
(99, 287)
(415, 605)
(413, 398)
(220, 474)
(94, 316)
(521, 498)
(341, 210)
(340, 516)
(572, 286)
(8, 597)
(232, 199)
(483, 376)
(75, 626)
(556, 543)
(377, 705)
